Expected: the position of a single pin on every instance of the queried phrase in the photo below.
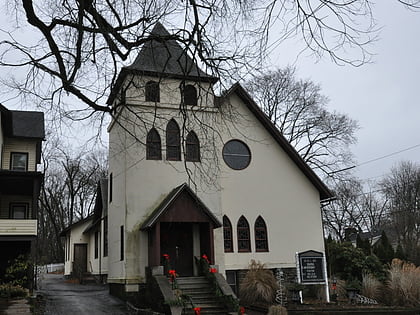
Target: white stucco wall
(271, 186)
(140, 184)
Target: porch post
(211, 239)
(154, 246)
(196, 246)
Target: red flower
(197, 310)
(242, 310)
(166, 256)
(172, 272)
(205, 258)
(213, 270)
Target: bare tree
(78, 47)
(344, 213)
(67, 195)
(299, 111)
(402, 189)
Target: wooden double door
(177, 241)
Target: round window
(236, 154)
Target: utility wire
(375, 159)
(388, 155)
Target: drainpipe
(100, 254)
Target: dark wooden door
(177, 241)
(80, 259)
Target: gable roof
(67, 229)
(162, 56)
(237, 89)
(22, 124)
(170, 199)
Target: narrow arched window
(173, 142)
(190, 95)
(152, 91)
(244, 241)
(192, 148)
(261, 238)
(153, 145)
(227, 235)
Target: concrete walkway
(15, 307)
(64, 298)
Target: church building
(191, 174)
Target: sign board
(311, 267)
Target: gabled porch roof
(170, 200)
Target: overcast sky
(382, 96)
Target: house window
(19, 161)
(236, 154)
(96, 244)
(105, 236)
(122, 242)
(261, 239)
(244, 242)
(18, 211)
(173, 141)
(153, 145)
(227, 235)
(152, 91)
(190, 95)
(192, 148)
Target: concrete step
(201, 295)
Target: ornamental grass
(404, 283)
(371, 287)
(259, 285)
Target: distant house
(192, 173)
(21, 136)
(86, 247)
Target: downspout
(100, 254)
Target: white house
(192, 173)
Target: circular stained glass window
(236, 154)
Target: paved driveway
(64, 298)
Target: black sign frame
(311, 267)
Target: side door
(80, 260)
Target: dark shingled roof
(162, 56)
(22, 124)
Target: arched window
(192, 148)
(227, 235)
(173, 142)
(152, 91)
(244, 240)
(261, 239)
(190, 95)
(153, 145)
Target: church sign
(311, 267)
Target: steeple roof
(163, 56)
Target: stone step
(197, 291)
(201, 295)
(192, 280)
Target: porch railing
(11, 227)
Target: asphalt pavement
(65, 298)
